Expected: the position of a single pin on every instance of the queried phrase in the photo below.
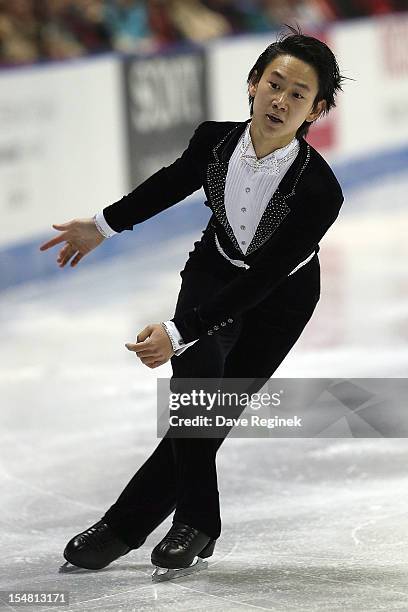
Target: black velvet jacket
(303, 207)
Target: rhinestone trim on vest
(273, 215)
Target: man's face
(279, 91)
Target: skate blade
(161, 574)
(67, 568)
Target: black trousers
(181, 473)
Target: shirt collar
(277, 154)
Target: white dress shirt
(249, 185)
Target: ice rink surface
(323, 525)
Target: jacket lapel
(216, 175)
(277, 208)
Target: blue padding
(357, 173)
(25, 262)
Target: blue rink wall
(24, 262)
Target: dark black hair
(312, 51)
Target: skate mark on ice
(226, 599)
(42, 491)
(225, 556)
(359, 527)
(9, 607)
(352, 583)
(204, 592)
(372, 521)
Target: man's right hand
(80, 236)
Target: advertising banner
(165, 101)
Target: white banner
(374, 107)
(61, 146)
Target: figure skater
(248, 289)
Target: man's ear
(252, 87)
(313, 115)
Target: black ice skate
(95, 548)
(175, 555)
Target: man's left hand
(153, 346)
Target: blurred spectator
(19, 31)
(347, 9)
(307, 12)
(86, 20)
(161, 23)
(129, 26)
(196, 22)
(71, 29)
(316, 11)
(35, 30)
(242, 15)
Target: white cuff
(102, 226)
(177, 342)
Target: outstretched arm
(163, 189)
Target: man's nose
(280, 101)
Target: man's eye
(272, 85)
